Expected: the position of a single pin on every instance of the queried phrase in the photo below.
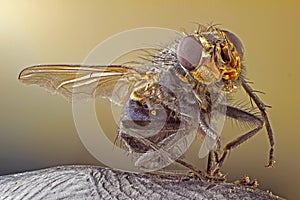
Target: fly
(167, 100)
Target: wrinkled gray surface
(89, 182)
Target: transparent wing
(80, 81)
(166, 135)
(217, 117)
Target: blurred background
(37, 129)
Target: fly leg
(262, 107)
(244, 116)
(210, 162)
(212, 159)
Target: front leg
(262, 107)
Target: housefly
(167, 99)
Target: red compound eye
(189, 52)
(236, 42)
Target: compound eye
(189, 52)
(236, 42)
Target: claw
(270, 164)
(247, 182)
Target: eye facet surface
(236, 42)
(189, 52)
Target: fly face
(181, 92)
(212, 55)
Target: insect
(168, 99)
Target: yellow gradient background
(37, 129)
